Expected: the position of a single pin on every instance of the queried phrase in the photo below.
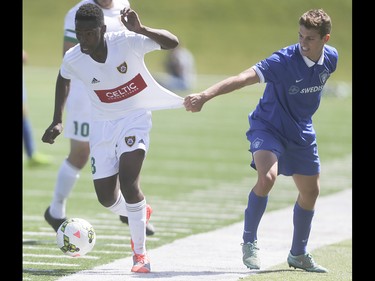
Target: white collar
(309, 62)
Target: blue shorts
(292, 158)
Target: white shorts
(77, 118)
(110, 139)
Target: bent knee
(106, 201)
(267, 181)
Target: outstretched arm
(195, 102)
(163, 37)
(61, 93)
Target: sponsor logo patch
(125, 91)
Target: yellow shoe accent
(39, 159)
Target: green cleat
(305, 262)
(38, 160)
(250, 256)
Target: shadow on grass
(37, 242)
(50, 272)
(273, 271)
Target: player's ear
(326, 38)
(103, 29)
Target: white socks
(119, 208)
(136, 214)
(66, 179)
(137, 225)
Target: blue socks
(302, 219)
(256, 207)
(302, 226)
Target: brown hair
(317, 19)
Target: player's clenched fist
(52, 132)
(194, 102)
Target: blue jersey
(293, 92)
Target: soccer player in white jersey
(122, 95)
(77, 124)
(281, 134)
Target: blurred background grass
(224, 36)
(198, 164)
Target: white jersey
(78, 111)
(123, 83)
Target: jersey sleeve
(271, 68)
(69, 23)
(66, 70)
(69, 27)
(138, 43)
(143, 44)
(331, 57)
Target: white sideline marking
(216, 255)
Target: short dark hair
(90, 12)
(317, 19)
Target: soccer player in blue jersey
(281, 135)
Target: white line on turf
(216, 255)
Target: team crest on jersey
(122, 68)
(130, 140)
(323, 76)
(257, 143)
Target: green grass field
(225, 37)
(195, 161)
(197, 167)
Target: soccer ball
(75, 237)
